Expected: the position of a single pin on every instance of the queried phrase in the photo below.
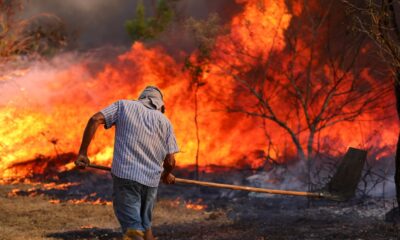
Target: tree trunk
(196, 122)
(310, 157)
(397, 175)
(397, 161)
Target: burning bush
(42, 34)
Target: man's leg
(148, 201)
(127, 205)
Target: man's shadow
(89, 233)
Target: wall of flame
(44, 108)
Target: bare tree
(205, 33)
(380, 21)
(40, 34)
(316, 81)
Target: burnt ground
(28, 214)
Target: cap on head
(152, 97)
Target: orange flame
(197, 205)
(55, 201)
(194, 205)
(47, 111)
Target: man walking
(143, 153)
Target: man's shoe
(133, 234)
(148, 235)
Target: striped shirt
(143, 138)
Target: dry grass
(23, 217)
(34, 217)
(249, 218)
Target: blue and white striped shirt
(143, 138)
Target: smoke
(27, 83)
(95, 23)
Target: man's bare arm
(169, 165)
(90, 130)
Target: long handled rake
(341, 187)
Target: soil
(34, 212)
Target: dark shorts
(133, 203)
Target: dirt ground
(237, 217)
(36, 217)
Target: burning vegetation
(271, 94)
(286, 87)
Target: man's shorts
(133, 204)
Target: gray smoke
(96, 23)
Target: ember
(42, 187)
(189, 204)
(55, 201)
(197, 205)
(98, 201)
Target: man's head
(152, 98)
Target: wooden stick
(234, 187)
(249, 189)
(100, 167)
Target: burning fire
(197, 205)
(43, 110)
(33, 191)
(98, 201)
(40, 189)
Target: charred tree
(397, 157)
(379, 19)
(311, 83)
(205, 33)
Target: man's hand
(82, 161)
(168, 178)
(169, 164)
